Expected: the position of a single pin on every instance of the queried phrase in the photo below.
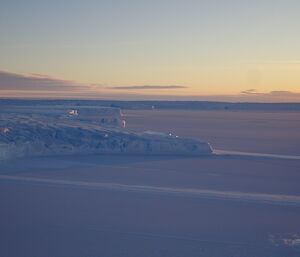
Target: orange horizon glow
(232, 49)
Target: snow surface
(63, 131)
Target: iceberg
(66, 131)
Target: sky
(235, 50)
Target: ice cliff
(86, 131)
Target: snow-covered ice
(59, 131)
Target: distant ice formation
(83, 130)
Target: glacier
(60, 130)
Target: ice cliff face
(37, 135)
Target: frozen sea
(243, 202)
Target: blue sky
(214, 47)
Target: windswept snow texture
(38, 132)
